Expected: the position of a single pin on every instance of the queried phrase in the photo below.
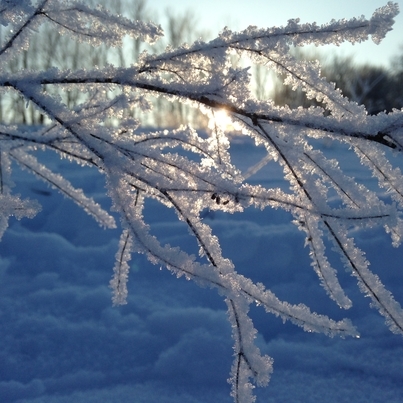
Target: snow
(63, 341)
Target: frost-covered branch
(190, 172)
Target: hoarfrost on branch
(139, 165)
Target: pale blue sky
(213, 15)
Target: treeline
(379, 89)
(47, 49)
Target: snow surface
(63, 341)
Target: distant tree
(181, 29)
(187, 172)
(263, 82)
(374, 87)
(285, 93)
(367, 85)
(396, 92)
(47, 48)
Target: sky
(62, 341)
(213, 15)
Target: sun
(222, 119)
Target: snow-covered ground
(62, 341)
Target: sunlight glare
(222, 119)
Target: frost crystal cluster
(189, 172)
